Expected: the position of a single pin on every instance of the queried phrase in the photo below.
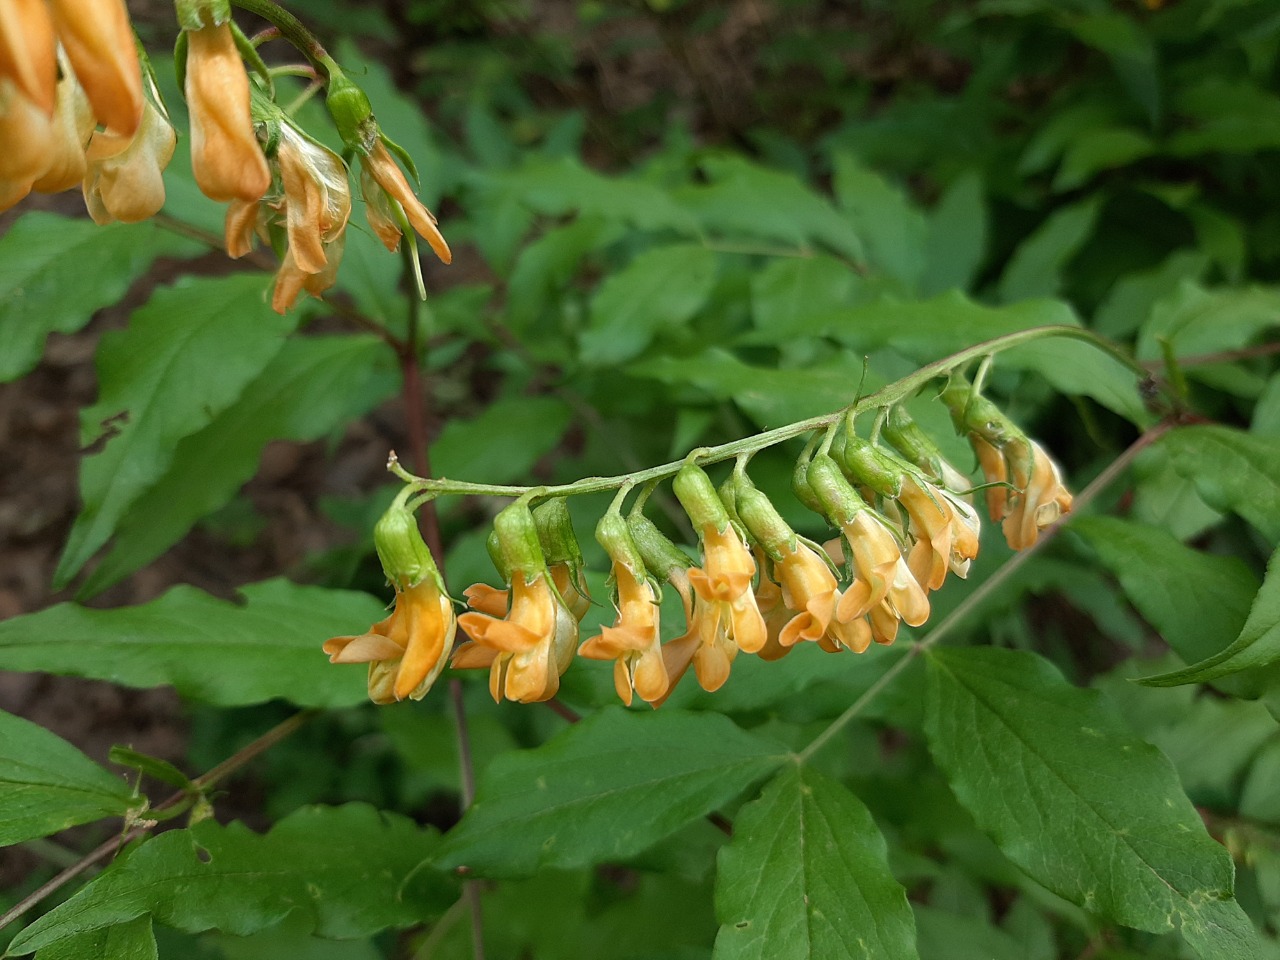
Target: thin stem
(1224, 356)
(893, 393)
(224, 769)
(292, 30)
(975, 600)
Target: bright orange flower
(27, 44)
(1039, 497)
(811, 593)
(945, 532)
(407, 650)
(725, 581)
(996, 472)
(225, 156)
(29, 138)
(529, 649)
(99, 42)
(769, 603)
(383, 185)
(125, 179)
(633, 641)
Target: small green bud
(694, 490)
(840, 502)
(801, 488)
(975, 414)
(659, 554)
(869, 466)
(517, 545)
(405, 557)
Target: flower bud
(974, 414)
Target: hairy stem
(887, 397)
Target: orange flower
(385, 190)
(1039, 498)
(29, 138)
(704, 643)
(27, 57)
(407, 650)
(99, 42)
(769, 603)
(724, 581)
(125, 176)
(810, 591)
(945, 531)
(996, 472)
(633, 641)
(529, 649)
(225, 156)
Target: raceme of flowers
(78, 106)
(904, 522)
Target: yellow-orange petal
(384, 170)
(99, 42)
(27, 44)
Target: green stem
(887, 397)
(292, 30)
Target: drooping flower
(945, 532)
(28, 135)
(98, 39)
(387, 193)
(406, 651)
(225, 155)
(1039, 497)
(125, 176)
(633, 642)
(705, 643)
(529, 645)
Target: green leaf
(747, 199)
(546, 266)
(1258, 644)
(605, 789)
(806, 876)
(1098, 150)
(1075, 800)
(47, 785)
(503, 443)
(952, 936)
(1232, 470)
(892, 228)
(159, 383)
(313, 385)
(1195, 320)
(1197, 602)
(1035, 269)
(55, 273)
(662, 287)
(210, 650)
(131, 940)
(351, 870)
(957, 241)
(791, 290)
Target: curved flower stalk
(632, 643)
(407, 651)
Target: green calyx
(197, 14)
(869, 466)
(840, 501)
(405, 557)
(351, 110)
(972, 413)
(761, 519)
(696, 493)
(614, 535)
(516, 544)
(659, 554)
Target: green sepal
(180, 48)
(406, 558)
(555, 533)
(660, 555)
(840, 501)
(973, 413)
(802, 489)
(197, 14)
(761, 519)
(694, 490)
(517, 542)
(401, 154)
(869, 466)
(351, 111)
(614, 535)
(913, 443)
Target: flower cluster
(904, 522)
(79, 106)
